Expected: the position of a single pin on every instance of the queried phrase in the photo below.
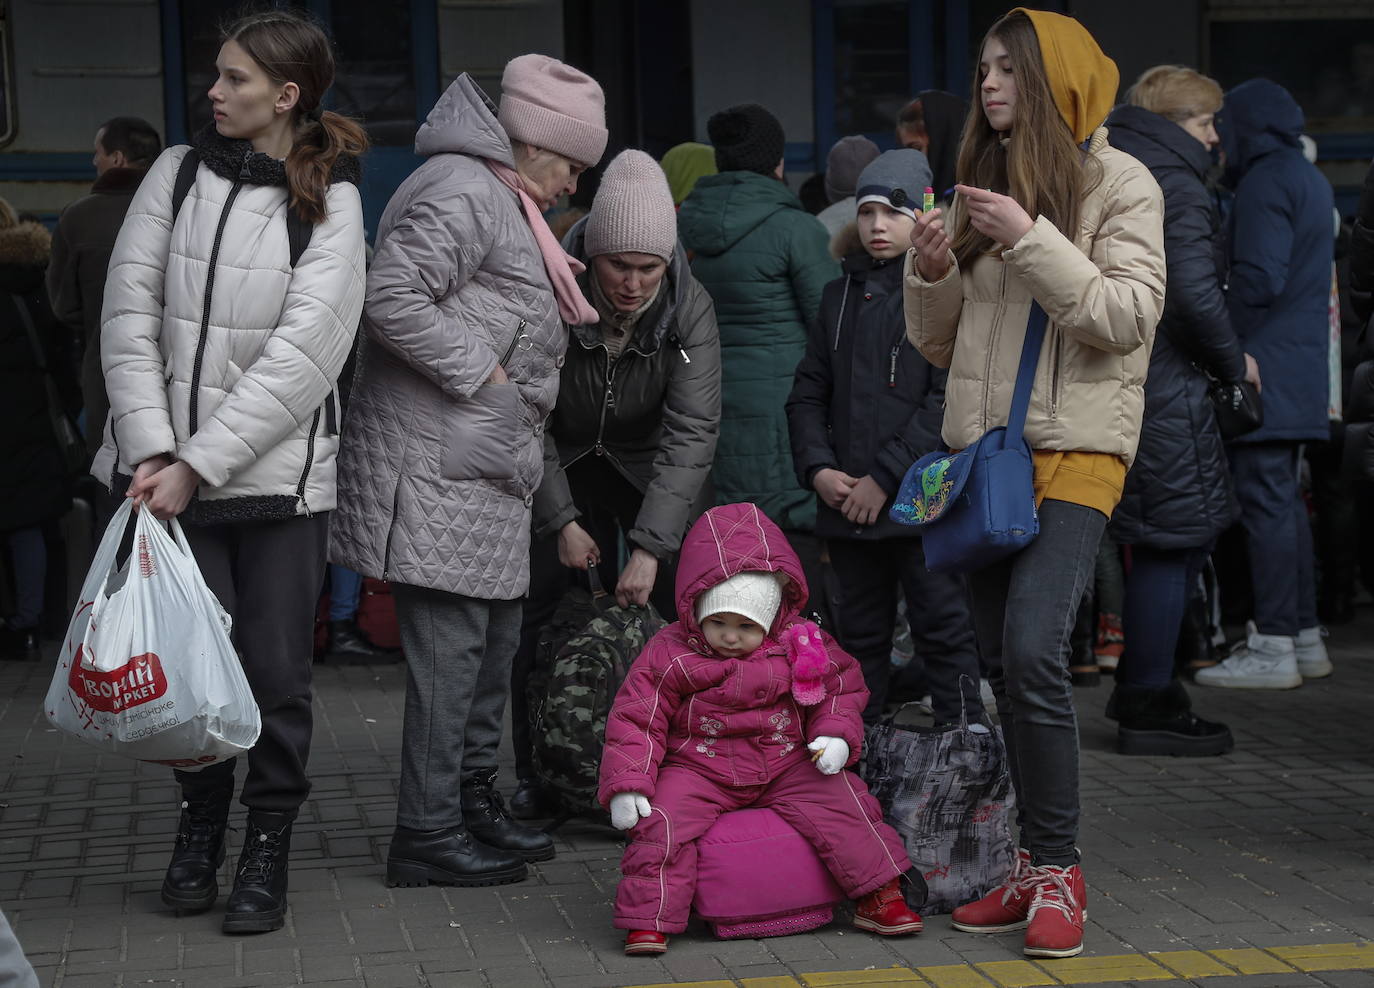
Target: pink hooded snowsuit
(701, 735)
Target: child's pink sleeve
(637, 726)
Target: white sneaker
(1264, 662)
(1313, 662)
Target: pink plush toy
(809, 661)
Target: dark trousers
(458, 660)
(1282, 574)
(869, 575)
(1024, 609)
(1158, 589)
(267, 575)
(609, 504)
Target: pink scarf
(562, 267)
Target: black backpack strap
(298, 233)
(186, 177)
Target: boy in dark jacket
(864, 406)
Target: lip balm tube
(928, 200)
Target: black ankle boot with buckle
(258, 902)
(191, 884)
(487, 819)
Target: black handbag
(70, 445)
(1238, 407)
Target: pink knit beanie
(633, 209)
(548, 104)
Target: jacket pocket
(482, 434)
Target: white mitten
(628, 807)
(830, 754)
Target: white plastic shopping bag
(147, 669)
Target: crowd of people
(526, 408)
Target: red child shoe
(884, 911)
(1056, 912)
(1005, 907)
(645, 942)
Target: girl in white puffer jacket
(232, 299)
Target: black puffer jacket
(863, 400)
(1178, 494)
(653, 413)
(1359, 403)
(33, 485)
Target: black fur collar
(225, 156)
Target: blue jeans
(1024, 609)
(345, 586)
(1157, 591)
(1282, 573)
(29, 555)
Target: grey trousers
(458, 652)
(1024, 609)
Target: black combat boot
(448, 856)
(531, 801)
(1161, 722)
(487, 819)
(348, 646)
(191, 884)
(258, 902)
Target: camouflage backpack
(582, 658)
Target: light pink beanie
(633, 209)
(548, 104)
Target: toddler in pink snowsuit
(741, 703)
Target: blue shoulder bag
(978, 505)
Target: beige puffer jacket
(216, 350)
(1103, 295)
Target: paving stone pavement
(1255, 857)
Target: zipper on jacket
(675, 341)
(194, 416)
(309, 461)
(1055, 344)
(839, 319)
(992, 343)
(892, 366)
(391, 531)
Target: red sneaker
(645, 942)
(1056, 912)
(884, 911)
(1005, 907)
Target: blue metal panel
(920, 21)
(424, 47)
(957, 46)
(822, 80)
(173, 74)
(46, 166)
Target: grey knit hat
(633, 209)
(843, 164)
(895, 178)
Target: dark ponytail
(291, 48)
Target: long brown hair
(291, 48)
(1040, 166)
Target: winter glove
(830, 754)
(628, 807)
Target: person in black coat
(1178, 495)
(34, 487)
(1359, 408)
(864, 406)
(1281, 248)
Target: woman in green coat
(765, 261)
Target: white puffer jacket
(216, 350)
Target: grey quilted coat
(439, 467)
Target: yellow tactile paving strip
(1213, 965)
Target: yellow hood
(1084, 80)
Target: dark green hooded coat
(765, 261)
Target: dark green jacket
(652, 412)
(765, 261)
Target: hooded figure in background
(1281, 250)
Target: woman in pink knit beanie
(635, 425)
(468, 300)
